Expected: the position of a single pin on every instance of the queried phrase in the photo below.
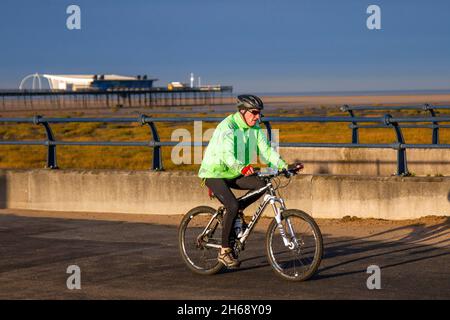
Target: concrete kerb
(175, 192)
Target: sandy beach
(413, 99)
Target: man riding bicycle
(236, 142)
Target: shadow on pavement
(143, 259)
(417, 242)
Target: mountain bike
(294, 244)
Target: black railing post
(354, 125)
(157, 164)
(402, 165)
(269, 134)
(269, 130)
(435, 137)
(51, 151)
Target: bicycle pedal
(234, 267)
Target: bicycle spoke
(199, 231)
(299, 261)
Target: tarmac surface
(140, 260)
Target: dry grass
(139, 158)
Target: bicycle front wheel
(200, 238)
(300, 257)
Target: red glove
(296, 166)
(248, 170)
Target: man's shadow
(417, 242)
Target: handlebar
(271, 172)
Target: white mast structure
(192, 80)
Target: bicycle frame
(269, 198)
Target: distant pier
(42, 100)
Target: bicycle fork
(278, 211)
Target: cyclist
(227, 164)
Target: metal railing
(426, 107)
(385, 121)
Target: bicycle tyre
(183, 243)
(270, 238)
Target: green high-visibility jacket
(235, 145)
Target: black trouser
(221, 188)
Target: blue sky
(256, 46)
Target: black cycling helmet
(248, 101)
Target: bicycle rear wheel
(200, 238)
(300, 261)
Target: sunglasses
(255, 112)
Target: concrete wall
(143, 192)
(365, 161)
